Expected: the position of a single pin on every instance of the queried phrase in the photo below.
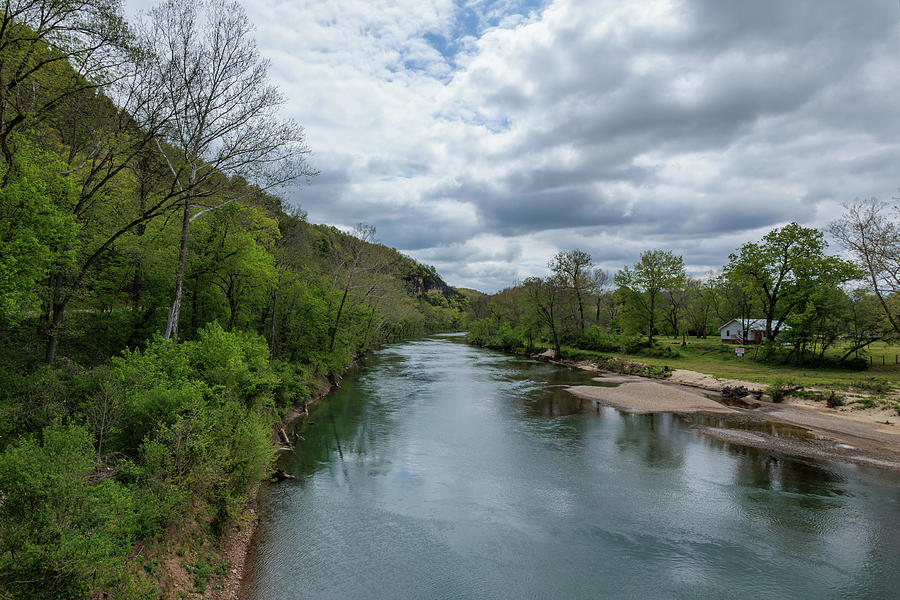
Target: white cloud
(485, 136)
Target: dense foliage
(810, 311)
(115, 441)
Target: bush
(293, 383)
(62, 535)
(657, 352)
(779, 389)
(631, 344)
(233, 363)
(598, 339)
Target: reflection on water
(445, 471)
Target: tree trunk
(59, 308)
(580, 310)
(172, 321)
(274, 312)
(337, 320)
(58, 305)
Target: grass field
(715, 358)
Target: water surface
(440, 470)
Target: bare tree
(346, 276)
(873, 239)
(574, 268)
(546, 297)
(225, 128)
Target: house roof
(754, 325)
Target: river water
(440, 470)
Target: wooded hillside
(161, 305)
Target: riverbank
(238, 541)
(859, 437)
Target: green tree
(37, 232)
(642, 285)
(51, 51)
(783, 269)
(866, 321)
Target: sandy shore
(639, 395)
(811, 431)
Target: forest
(161, 304)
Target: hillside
(161, 309)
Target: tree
(353, 264)
(574, 269)
(675, 313)
(783, 269)
(545, 297)
(873, 239)
(225, 130)
(867, 321)
(642, 285)
(101, 139)
(36, 230)
(701, 301)
(598, 282)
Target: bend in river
(440, 470)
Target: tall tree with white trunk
(226, 128)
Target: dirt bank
(841, 434)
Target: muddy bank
(793, 429)
(802, 442)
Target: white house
(751, 331)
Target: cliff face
(421, 284)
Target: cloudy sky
(482, 136)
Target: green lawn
(715, 358)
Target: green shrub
(657, 352)
(293, 382)
(236, 363)
(598, 339)
(632, 344)
(63, 534)
(779, 389)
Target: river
(440, 470)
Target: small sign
(739, 352)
